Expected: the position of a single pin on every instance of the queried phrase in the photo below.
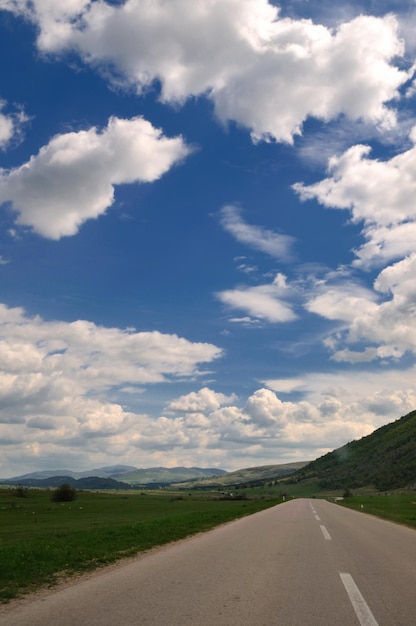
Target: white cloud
(57, 380)
(380, 324)
(11, 125)
(55, 377)
(359, 396)
(72, 178)
(264, 302)
(343, 302)
(381, 194)
(203, 400)
(267, 241)
(266, 73)
(53, 360)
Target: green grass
(42, 540)
(399, 508)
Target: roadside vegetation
(44, 539)
(399, 508)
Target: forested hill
(386, 459)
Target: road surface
(304, 562)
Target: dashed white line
(326, 533)
(365, 616)
(318, 519)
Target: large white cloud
(85, 357)
(56, 382)
(72, 178)
(59, 382)
(266, 73)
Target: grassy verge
(397, 507)
(41, 540)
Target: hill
(249, 476)
(386, 459)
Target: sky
(207, 230)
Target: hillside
(167, 475)
(386, 459)
(249, 476)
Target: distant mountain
(110, 471)
(124, 474)
(386, 459)
(168, 475)
(90, 482)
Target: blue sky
(208, 220)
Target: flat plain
(42, 541)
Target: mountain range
(113, 477)
(384, 460)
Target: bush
(64, 493)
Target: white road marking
(326, 533)
(318, 519)
(365, 616)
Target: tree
(347, 493)
(64, 493)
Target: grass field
(41, 540)
(399, 508)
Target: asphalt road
(304, 562)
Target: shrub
(64, 493)
(20, 492)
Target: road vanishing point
(301, 563)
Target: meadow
(42, 541)
(400, 508)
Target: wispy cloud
(274, 244)
(265, 302)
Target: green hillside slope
(386, 459)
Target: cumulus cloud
(359, 396)
(55, 412)
(88, 357)
(72, 178)
(199, 401)
(274, 244)
(58, 382)
(265, 302)
(335, 408)
(265, 72)
(380, 194)
(378, 323)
